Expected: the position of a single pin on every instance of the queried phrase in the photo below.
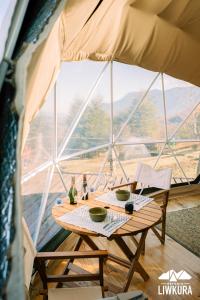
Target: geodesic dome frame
(69, 43)
(106, 168)
(180, 16)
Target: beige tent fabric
(43, 68)
(42, 73)
(29, 254)
(162, 36)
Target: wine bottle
(73, 191)
(85, 189)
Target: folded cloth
(153, 178)
(110, 298)
(138, 200)
(80, 217)
(134, 295)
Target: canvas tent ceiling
(157, 35)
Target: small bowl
(122, 195)
(97, 214)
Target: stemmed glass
(110, 183)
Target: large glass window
(101, 119)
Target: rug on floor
(184, 227)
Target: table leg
(134, 264)
(136, 244)
(89, 242)
(123, 246)
(139, 268)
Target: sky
(76, 79)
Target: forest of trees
(93, 129)
(94, 126)
(147, 122)
(191, 128)
(144, 122)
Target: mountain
(179, 101)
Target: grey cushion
(78, 293)
(134, 295)
(109, 298)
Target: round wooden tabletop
(145, 218)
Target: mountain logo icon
(172, 276)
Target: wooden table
(140, 222)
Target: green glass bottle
(73, 191)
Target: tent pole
(44, 166)
(66, 157)
(111, 104)
(111, 119)
(164, 106)
(55, 124)
(155, 142)
(62, 179)
(160, 154)
(37, 170)
(140, 143)
(116, 155)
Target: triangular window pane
(146, 121)
(131, 155)
(184, 160)
(129, 85)
(32, 191)
(90, 163)
(49, 227)
(181, 98)
(190, 130)
(73, 86)
(174, 156)
(39, 144)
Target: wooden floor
(158, 258)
